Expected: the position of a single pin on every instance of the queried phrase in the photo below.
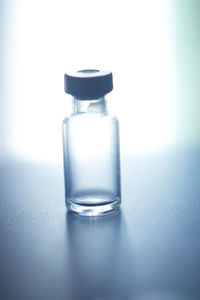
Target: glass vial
(91, 145)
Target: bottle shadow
(99, 257)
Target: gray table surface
(148, 250)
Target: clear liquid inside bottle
(91, 158)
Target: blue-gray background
(150, 249)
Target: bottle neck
(97, 106)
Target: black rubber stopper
(88, 84)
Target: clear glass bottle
(91, 145)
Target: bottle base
(92, 210)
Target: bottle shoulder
(90, 116)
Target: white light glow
(131, 38)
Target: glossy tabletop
(148, 250)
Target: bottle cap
(88, 84)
